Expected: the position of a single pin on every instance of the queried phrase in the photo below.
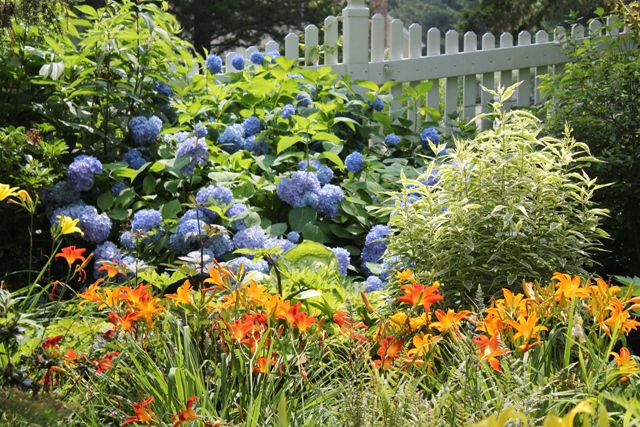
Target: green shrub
(505, 206)
(598, 96)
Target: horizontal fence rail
(489, 61)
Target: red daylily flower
(71, 254)
(50, 343)
(142, 414)
(188, 414)
(105, 364)
(419, 294)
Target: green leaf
(119, 214)
(311, 255)
(252, 219)
(286, 142)
(424, 87)
(325, 136)
(171, 209)
(367, 84)
(300, 217)
(105, 201)
(383, 119)
(334, 158)
(149, 184)
(276, 229)
(313, 232)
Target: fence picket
(488, 79)
(451, 83)
(330, 40)
(541, 38)
(311, 37)
(469, 85)
(523, 96)
(377, 38)
(292, 46)
(433, 49)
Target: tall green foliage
(506, 206)
(598, 96)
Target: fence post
(356, 38)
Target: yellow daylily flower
(6, 191)
(567, 421)
(502, 418)
(69, 225)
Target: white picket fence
(365, 57)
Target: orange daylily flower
(148, 308)
(141, 413)
(619, 319)
(626, 365)
(126, 323)
(183, 294)
(263, 365)
(569, 288)
(255, 293)
(112, 269)
(490, 350)
(92, 294)
(419, 294)
(423, 344)
(492, 324)
(349, 328)
(302, 321)
(240, 328)
(71, 254)
(188, 414)
(288, 313)
(135, 296)
(526, 327)
(105, 364)
(449, 321)
(271, 304)
(388, 351)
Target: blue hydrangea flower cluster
(197, 150)
(325, 174)
(293, 236)
(344, 258)
(106, 251)
(213, 195)
(218, 245)
(354, 162)
(59, 194)
(81, 171)
(238, 62)
(133, 265)
(304, 99)
(304, 189)
(200, 130)
(146, 220)
(257, 58)
(213, 64)
(258, 265)
(374, 284)
(96, 227)
(143, 130)
(117, 188)
(287, 111)
(276, 242)
(429, 134)
(250, 238)
(309, 165)
(162, 89)
(251, 126)
(392, 139)
(273, 54)
(377, 104)
(188, 235)
(375, 244)
(134, 158)
(257, 147)
(233, 211)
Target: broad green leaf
(367, 84)
(300, 217)
(171, 209)
(286, 142)
(334, 158)
(149, 184)
(325, 136)
(313, 232)
(311, 255)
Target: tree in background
(498, 16)
(222, 25)
(441, 14)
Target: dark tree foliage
(440, 14)
(219, 26)
(498, 16)
(43, 13)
